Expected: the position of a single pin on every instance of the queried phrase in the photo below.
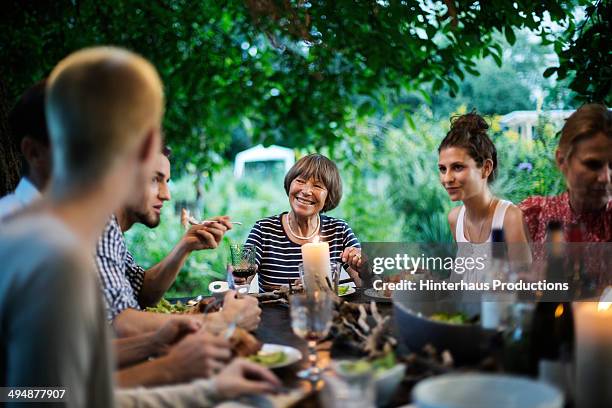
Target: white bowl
(485, 391)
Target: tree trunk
(9, 154)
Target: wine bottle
(581, 283)
(555, 261)
(553, 323)
(517, 348)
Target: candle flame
(559, 310)
(316, 240)
(604, 306)
(605, 301)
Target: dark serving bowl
(416, 329)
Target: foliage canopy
(295, 72)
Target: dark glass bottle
(555, 261)
(517, 350)
(553, 323)
(582, 285)
(517, 334)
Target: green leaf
(471, 71)
(510, 36)
(549, 71)
(497, 59)
(425, 96)
(460, 73)
(437, 85)
(410, 121)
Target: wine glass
(244, 264)
(313, 281)
(311, 319)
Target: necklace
(467, 230)
(299, 236)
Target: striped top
(278, 257)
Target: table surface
(275, 327)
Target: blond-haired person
(104, 109)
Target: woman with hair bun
(467, 164)
(584, 156)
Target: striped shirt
(278, 257)
(121, 278)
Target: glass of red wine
(244, 265)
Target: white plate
(293, 355)
(373, 293)
(350, 290)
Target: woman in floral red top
(584, 156)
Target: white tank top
(498, 220)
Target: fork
(193, 221)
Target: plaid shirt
(120, 276)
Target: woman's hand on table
(244, 377)
(244, 311)
(352, 257)
(207, 235)
(198, 355)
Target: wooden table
(275, 327)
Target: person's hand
(244, 311)
(244, 377)
(185, 218)
(352, 257)
(198, 355)
(172, 331)
(238, 280)
(207, 235)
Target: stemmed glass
(244, 264)
(313, 281)
(311, 315)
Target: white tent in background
(263, 154)
(524, 122)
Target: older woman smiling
(313, 186)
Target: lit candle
(317, 267)
(593, 354)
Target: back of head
(469, 132)
(101, 102)
(588, 121)
(27, 119)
